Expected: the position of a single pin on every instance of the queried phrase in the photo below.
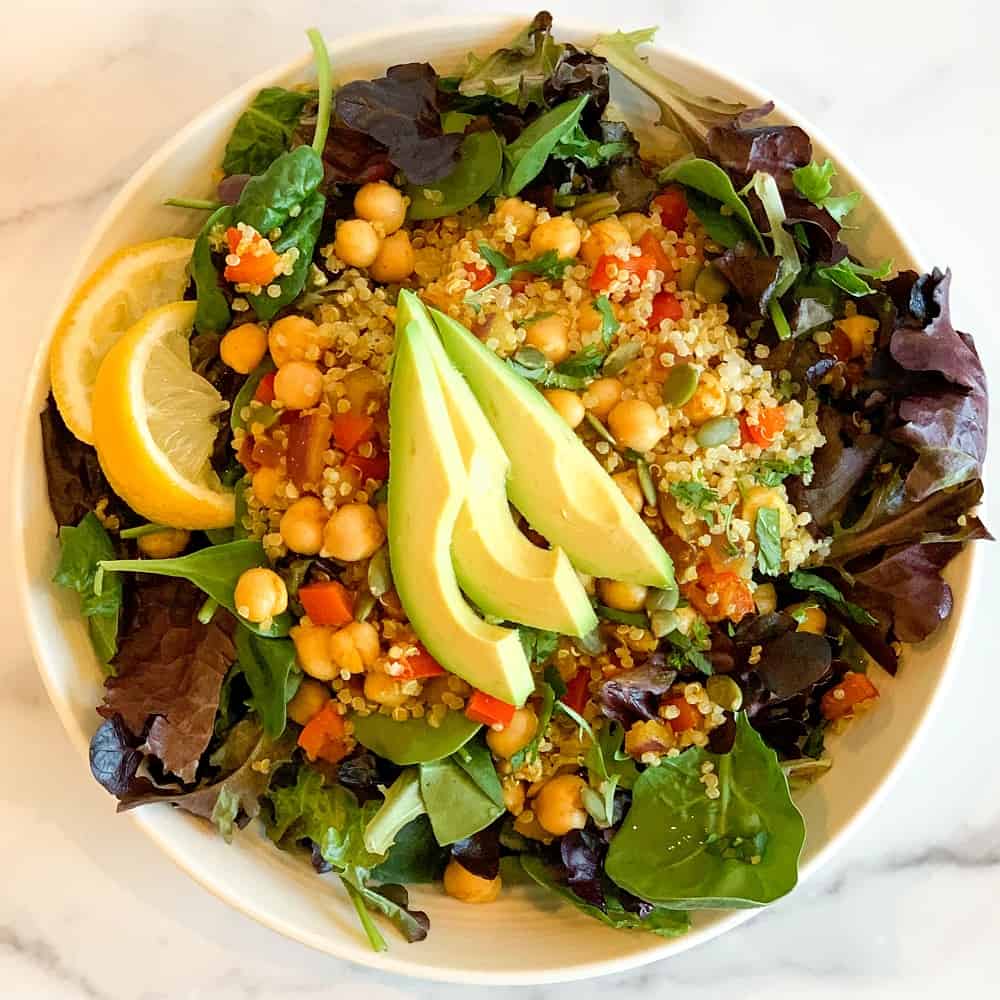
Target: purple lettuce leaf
(635, 694)
(582, 853)
(752, 275)
(777, 150)
(822, 229)
(794, 662)
(115, 756)
(480, 853)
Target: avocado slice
(555, 482)
(498, 568)
(427, 487)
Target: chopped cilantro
(609, 324)
(816, 584)
(548, 265)
(768, 530)
(773, 471)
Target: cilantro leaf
(548, 265)
(774, 471)
(801, 580)
(688, 650)
(609, 322)
(768, 530)
(699, 497)
(538, 644)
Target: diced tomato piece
(688, 717)
(479, 277)
(265, 389)
(665, 306)
(323, 736)
(611, 266)
(577, 691)
(327, 603)
(419, 666)
(488, 710)
(673, 207)
(255, 267)
(854, 689)
(265, 452)
(308, 438)
(651, 247)
(374, 467)
(770, 423)
(350, 429)
(840, 345)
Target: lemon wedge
(128, 284)
(155, 424)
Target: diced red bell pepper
(734, 599)
(673, 207)
(479, 277)
(374, 467)
(323, 736)
(327, 603)
(666, 305)
(488, 710)
(351, 429)
(601, 277)
(651, 247)
(420, 666)
(254, 268)
(853, 689)
(770, 423)
(265, 389)
(577, 691)
(308, 439)
(688, 717)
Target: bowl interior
(525, 937)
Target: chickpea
(604, 237)
(164, 544)
(602, 395)
(461, 884)
(352, 533)
(513, 796)
(244, 347)
(260, 594)
(643, 737)
(312, 649)
(361, 386)
(517, 212)
(357, 244)
(516, 735)
(766, 598)
(588, 319)
(767, 496)
(813, 618)
(265, 484)
(299, 385)
(634, 424)
(527, 825)
(308, 700)
(637, 225)
(550, 335)
(559, 234)
(354, 647)
(567, 404)
(708, 401)
(620, 595)
(302, 526)
(395, 260)
(290, 337)
(628, 483)
(384, 690)
(381, 204)
(558, 807)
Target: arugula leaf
(264, 131)
(773, 471)
(391, 902)
(456, 804)
(849, 276)
(768, 530)
(681, 849)
(270, 669)
(609, 322)
(82, 549)
(658, 920)
(549, 694)
(802, 580)
(526, 156)
(815, 182)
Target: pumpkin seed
(364, 607)
(379, 573)
(662, 623)
(687, 275)
(710, 285)
(662, 600)
(724, 691)
(646, 482)
(621, 357)
(531, 358)
(716, 431)
(680, 384)
(600, 429)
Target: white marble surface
(90, 909)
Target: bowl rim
(334, 945)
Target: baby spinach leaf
(681, 849)
(268, 199)
(480, 162)
(527, 154)
(477, 762)
(264, 131)
(802, 580)
(709, 179)
(213, 306)
(659, 920)
(768, 530)
(245, 396)
(455, 803)
(269, 667)
(82, 549)
(414, 741)
(850, 277)
(402, 804)
(415, 856)
(215, 570)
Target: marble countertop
(90, 909)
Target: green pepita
(621, 357)
(379, 573)
(662, 600)
(680, 384)
(364, 607)
(662, 623)
(599, 428)
(646, 482)
(724, 691)
(688, 275)
(717, 431)
(710, 285)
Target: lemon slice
(155, 424)
(128, 284)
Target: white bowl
(526, 937)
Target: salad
(482, 493)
